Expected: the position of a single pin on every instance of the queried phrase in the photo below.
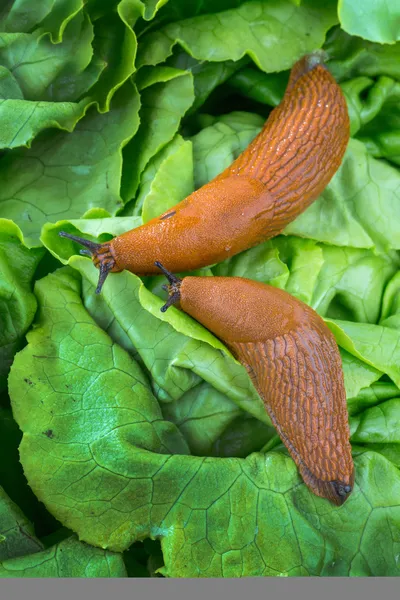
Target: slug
(294, 363)
(283, 170)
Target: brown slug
(294, 362)
(282, 171)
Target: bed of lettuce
(132, 443)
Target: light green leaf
(162, 108)
(17, 302)
(64, 174)
(216, 146)
(255, 28)
(16, 533)
(374, 20)
(376, 345)
(167, 179)
(47, 71)
(69, 558)
(112, 483)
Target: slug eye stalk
(100, 254)
(173, 288)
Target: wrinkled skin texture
(295, 365)
(276, 178)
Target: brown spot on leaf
(49, 433)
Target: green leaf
(167, 179)
(207, 76)
(115, 46)
(267, 88)
(177, 351)
(113, 484)
(62, 12)
(80, 170)
(16, 533)
(371, 396)
(96, 229)
(69, 558)
(12, 477)
(22, 15)
(255, 28)
(162, 108)
(375, 115)
(374, 20)
(359, 206)
(215, 147)
(47, 71)
(390, 316)
(377, 424)
(376, 345)
(352, 56)
(17, 302)
(356, 209)
(22, 120)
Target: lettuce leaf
(138, 432)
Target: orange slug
(294, 363)
(282, 171)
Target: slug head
(100, 253)
(173, 288)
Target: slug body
(294, 363)
(276, 178)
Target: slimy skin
(282, 171)
(294, 363)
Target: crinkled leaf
(352, 56)
(64, 174)
(376, 345)
(17, 302)
(216, 146)
(177, 351)
(207, 76)
(374, 109)
(98, 228)
(167, 179)
(69, 558)
(374, 20)
(22, 15)
(48, 71)
(162, 108)
(377, 424)
(370, 396)
(12, 477)
(62, 12)
(22, 120)
(390, 316)
(255, 28)
(16, 533)
(267, 88)
(102, 482)
(359, 206)
(115, 46)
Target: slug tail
(101, 255)
(336, 491)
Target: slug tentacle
(173, 288)
(101, 255)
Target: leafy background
(133, 443)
